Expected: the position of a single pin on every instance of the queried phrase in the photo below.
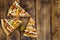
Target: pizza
(10, 25)
(31, 22)
(30, 31)
(17, 11)
(14, 22)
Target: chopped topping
(9, 29)
(32, 32)
(26, 30)
(22, 14)
(12, 7)
(17, 12)
(30, 35)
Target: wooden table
(46, 13)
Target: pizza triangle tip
(30, 31)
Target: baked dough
(17, 11)
(10, 27)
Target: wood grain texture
(2, 34)
(43, 11)
(37, 20)
(2, 15)
(2, 9)
(56, 20)
(29, 6)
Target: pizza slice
(5, 26)
(17, 11)
(8, 27)
(30, 31)
(31, 22)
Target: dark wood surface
(56, 20)
(46, 13)
(43, 12)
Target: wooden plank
(2, 15)
(2, 34)
(37, 19)
(56, 20)
(29, 6)
(43, 11)
(2, 9)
